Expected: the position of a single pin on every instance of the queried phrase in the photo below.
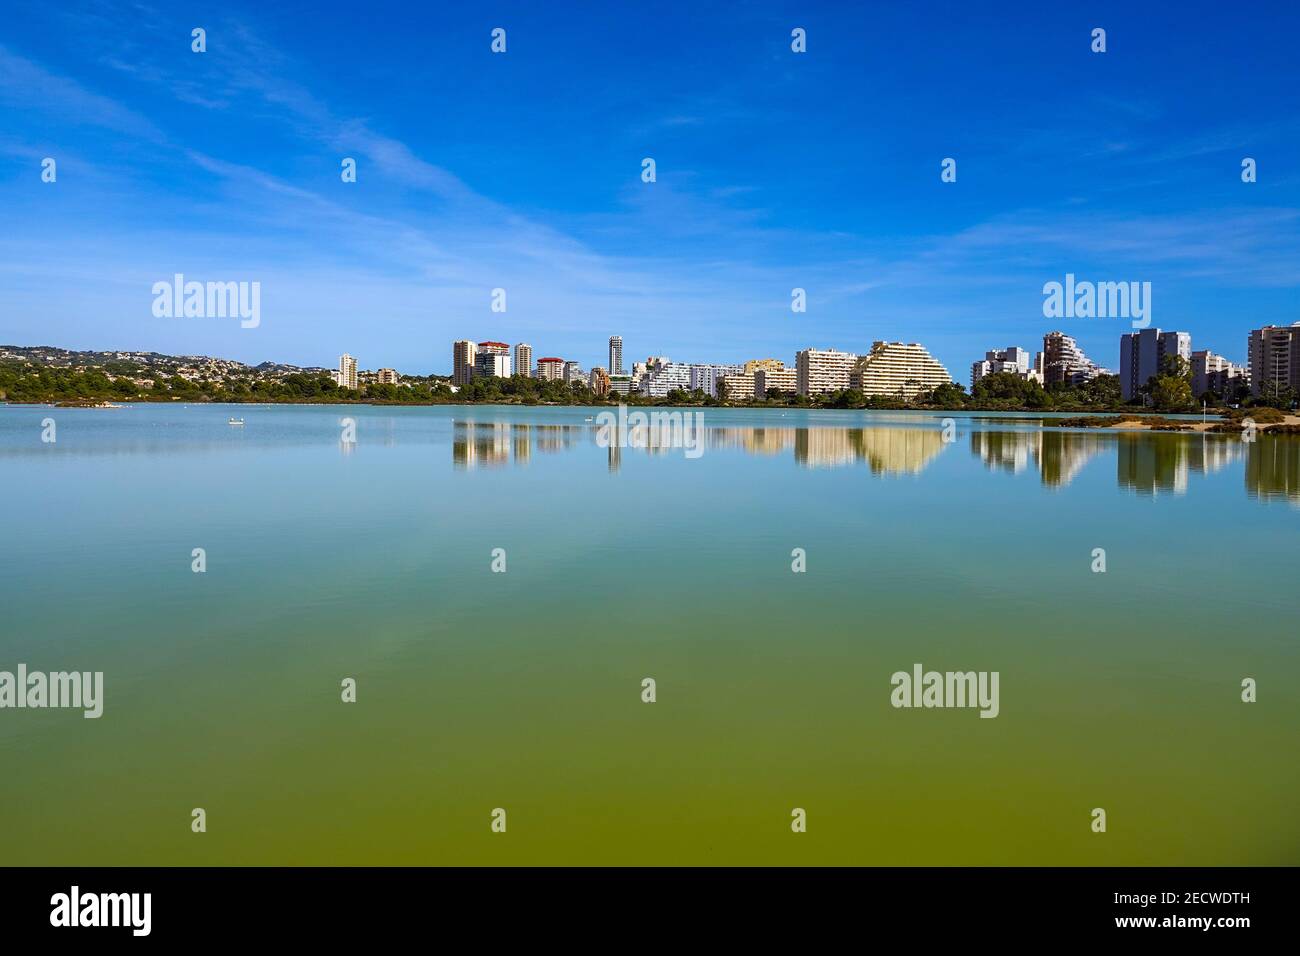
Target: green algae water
(522, 690)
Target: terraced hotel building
(898, 368)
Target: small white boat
(235, 421)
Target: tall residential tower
(524, 359)
(1274, 357)
(462, 361)
(347, 377)
(616, 355)
(1142, 356)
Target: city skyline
(1060, 360)
(155, 178)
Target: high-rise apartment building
(1142, 356)
(1009, 361)
(524, 359)
(462, 361)
(572, 373)
(347, 376)
(492, 360)
(664, 376)
(819, 371)
(705, 377)
(1064, 362)
(598, 381)
(774, 379)
(737, 388)
(898, 368)
(616, 355)
(1214, 373)
(386, 376)
(1274, 358)
(550, 369)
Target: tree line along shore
(36, 384)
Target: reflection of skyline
(1146, 463)
(1273, 468)
(492, 444)
(1059, 454)
(1159, 463)
(884, 450)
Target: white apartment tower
(1012, 360)
(524, 359)
(1214, 373)
(550, 368)
(347, 377)
(818, 371)
(492, 360)
(616, 355)
(1274, 357)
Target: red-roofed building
(492, 360)
(551, 369)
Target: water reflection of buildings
(553, 438)
(1153, 463)
(480, 444)
(1058, 455)
(1147, 463)
(1273, 468)
(492, 444)
(884, 450)
(1156, 463)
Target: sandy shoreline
(1199, 426)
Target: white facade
(663, 377)
(1214, 373)
(347, 374)
(738, 388)
(524, 359)
(705, 377)
(550, 369)
(1011, 361)
(768, 379)
(820, 371)
(898, 368)
(492, 365)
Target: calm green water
(522, 690)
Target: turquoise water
(521, 690)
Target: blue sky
(522, 171)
